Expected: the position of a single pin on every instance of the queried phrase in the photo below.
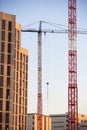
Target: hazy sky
(55, 51)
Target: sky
(54, 52)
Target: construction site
(15, 61)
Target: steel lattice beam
(72, 67)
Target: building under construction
(13, 75)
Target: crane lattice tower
(72, 67)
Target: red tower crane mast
(72, 67)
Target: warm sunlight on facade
(13, 75)
(32, 121)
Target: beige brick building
(32, 122)
(13, 75)
(82, 122)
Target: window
(7, 105)
(14, 64)
(3, 24)
(2, 47)
(16, 110)
(2, 58)
(66, 125)
(6, 127)
(1, 80)
(9, 37)
(26, 83)
(15, 36)
(0, 127)
(1, 93)
(8, 82)
(16, 76)
(21, 56)
(20, 65)
(20, 102)
(20, 74)
(8, 70)
(1, 104)
(9, 48)
(26, 67)
(25, 102)
(3, 35)
(15, 121)
(17, 55)
(17, 66)
(7, 117)
(7, 94)
(18, 34)
(27, 59)
(9, 59)
(10, 26)
(32, 128)
(16, 87)
(20, 82)
(26, 76)
(1, 69)
(0, 117)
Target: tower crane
(72, 53)
(72, 67)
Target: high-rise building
(13, 75)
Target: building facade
(32, 122)
(82, 122)
(60, 121)
(13, 75)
